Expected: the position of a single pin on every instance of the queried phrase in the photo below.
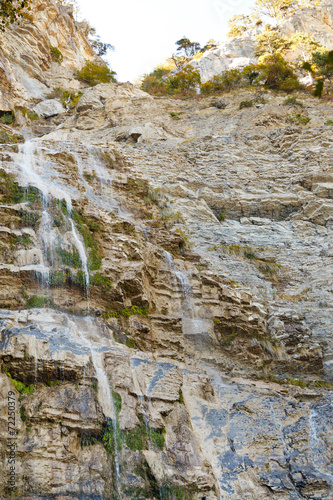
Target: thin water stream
(85, 328)
(32, 174)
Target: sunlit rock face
(238, 52)
(318, 22)
(165, 290)
(26, 67)
(235, 53)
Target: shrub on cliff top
(225, 82)
(94, 73)
(276, 73)
(163, 82)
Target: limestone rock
(165, 285)
(49, 107)
(317, 21)
(233, 54)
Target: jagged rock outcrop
(26, 69)
(235, 53)
(318, 22)
(238, 52)
(166, 297)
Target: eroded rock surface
(166, 294)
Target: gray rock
(49, 107)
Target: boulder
(49, 107)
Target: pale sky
(144, 32)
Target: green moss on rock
(37, 302)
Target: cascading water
(195, 328)
(37, 170)
(85, 327)
(82, 253)
(103, 198)
(318, 448)
(33, 174)
(146, 420)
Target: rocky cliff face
(238, 52)
(27, 71)
(166, 298)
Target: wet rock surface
(165, 293)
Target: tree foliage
(276, 73)
(269, 41)
(101, 48)
(211, 44)
(186, 47)
(305, 43)
(321, 67)
(12, 11)
(240, 24)
(165, 82)
(277, 10)
(230, 80)
(225, 82)
(184, 80)
(274, 11)
(94, 73)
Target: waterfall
(146, 420)
(30, 175)
(104, 198)
(195, 328)
(186, 290)
(317, 446)
(82, 254)
(35, 355)
(84, 328)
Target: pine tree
(187, 47)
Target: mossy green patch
(245, 104)
(137, 438)
(126, 312)
(23, 415)
(297, 119)
(52, 383)
(11, 192)
(27, 113)
(8, 138)
(56, 278)
(56, 54)
(28, 219)
(101, 281)
(37, 302)
(110, 436)
(20, 386)
(7, 117)
(293, 102)
(70, 257)
(117, 402)
(130, 343)
(94, 249)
